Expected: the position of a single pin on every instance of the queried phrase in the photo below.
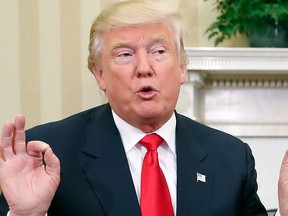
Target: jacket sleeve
(250, 202)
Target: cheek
(177, 77)
(171, 86)
(172, 83)
(118, 85)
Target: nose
(143, 65)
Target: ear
(183, 72)
(99, 75)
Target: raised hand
(283, 187)
(27, 184)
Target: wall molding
(239, 67)
(254, 73)
(235, 60)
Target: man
(138, 59)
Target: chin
(148, 114)
(153, 113)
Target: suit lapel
(193, 197)
(108, 170)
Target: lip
(146, 92)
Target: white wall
(268, 153)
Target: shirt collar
(131, 136)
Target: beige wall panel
(9, 61)
(206, 15)
(70, 56)
(50, 60)
(173, 3)
(29, 60)
(91, 94)
(189, 12)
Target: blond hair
(133, 12)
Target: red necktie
(155, 198)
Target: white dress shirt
(135, 153)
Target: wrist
(30, 214)
(10, 213)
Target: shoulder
(199, 129)
(208, 137)
(72, 126)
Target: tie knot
(151, 141)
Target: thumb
(52, 165)
(283, 186)
(284, 169)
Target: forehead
(135, 34)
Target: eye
(123, 57)
(159, 53)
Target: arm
(27, 184)
(251, 204)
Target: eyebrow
(154, 39)
(121, 44)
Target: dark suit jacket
(96, 180)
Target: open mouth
(147, 92)
(146, 89)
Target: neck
(144, 124)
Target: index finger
(6, 148)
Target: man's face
(141, 74)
